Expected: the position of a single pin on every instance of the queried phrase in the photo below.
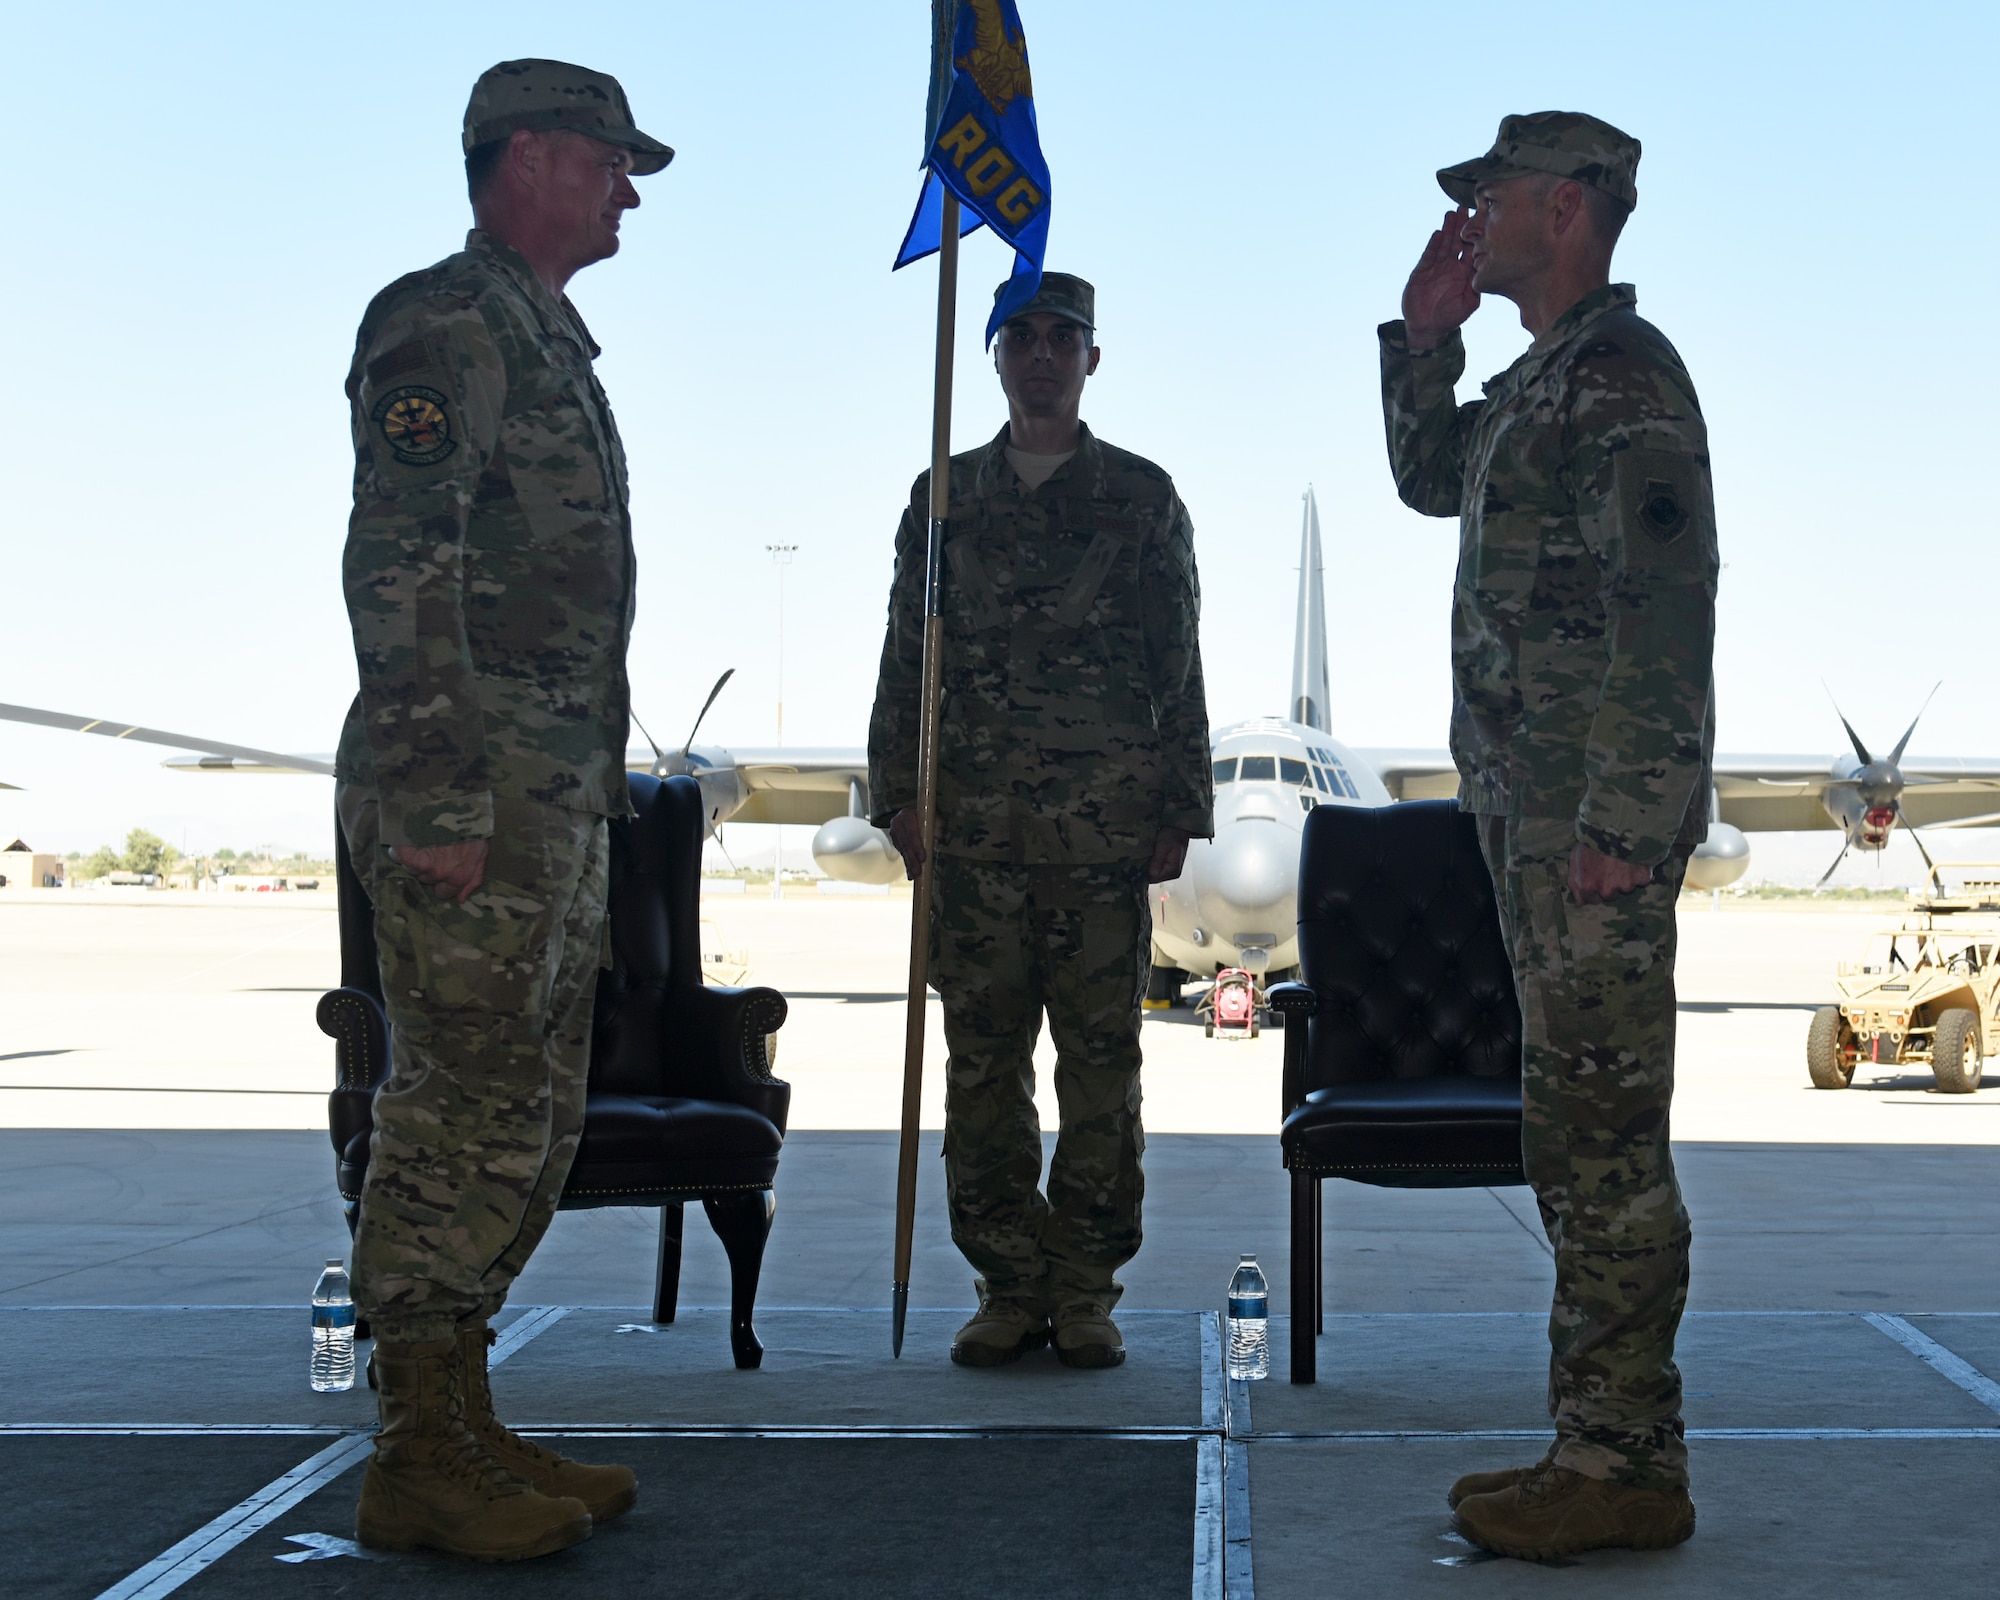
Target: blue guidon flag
(984, 145)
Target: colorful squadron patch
(415, 425)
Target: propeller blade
(1902, 744)
(719, 682)
(659, 755)
(1830, 871)
(1853, 738)
(1919, 843)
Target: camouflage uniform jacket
(1583, 619)
(1075, 724)
(489, 568)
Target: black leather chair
(682, 1105)
(1403, 1033)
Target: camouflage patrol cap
(1564, 144)
(544, 95)
(1060, 295)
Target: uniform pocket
(489, 955)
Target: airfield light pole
(781, 557)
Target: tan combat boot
(1004, 1328)
(431, 1483)
(605, 1491)
(1086, 1336)
(1493, 1482)
(1558, 1512)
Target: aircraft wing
(1414, 774)
(807, 786)
(801, 786)
(215, 756)
(1760, 794)
(1781, 794)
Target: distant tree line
(148, 852)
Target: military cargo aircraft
(1234, 904)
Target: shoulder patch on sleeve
(414, 421)
(1660, 510)
(1658, 495)
(412, 355)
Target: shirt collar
(1610, 297)
(557, 314)
(1085, 468)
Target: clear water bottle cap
(335, 1261)
(1246, 1261)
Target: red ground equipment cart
(1230, 1008)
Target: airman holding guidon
(1073, 770)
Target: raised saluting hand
(1439, 296)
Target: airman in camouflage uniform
(1583, 726)
(1073, 768)
(489, 576)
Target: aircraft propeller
(666, 766)
(1878, 785)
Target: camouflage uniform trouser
(489, 1006)
(1009, 943)
(1597, 1007)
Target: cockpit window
(1225, 772)
(1292, 772)
(1319, 778)
(1259, 769)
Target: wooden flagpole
(927, 759)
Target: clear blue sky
(205, 196)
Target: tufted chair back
(1399, 940)
(1403, 1035)
(655, 894)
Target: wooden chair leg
(742, 1221)
(351, 1210)
(1319, 1256)
(667, 1276)
(1305, 1290)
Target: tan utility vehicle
(1926, 993)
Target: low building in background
(23, 868)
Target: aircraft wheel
(1163, 985)
(1955, 1057)
(1830, 1051)
(1208, 1030)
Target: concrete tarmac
(161, 1090)
(155, 1011)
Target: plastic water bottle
(333, 1331)
(1249, 1321)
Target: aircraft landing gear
(1163, 988)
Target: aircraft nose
(1246, 879)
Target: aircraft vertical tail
(1310, 690)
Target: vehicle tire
(1208, 1030)
(1164, 983)
(1829, 1049)
(1955, 1052)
